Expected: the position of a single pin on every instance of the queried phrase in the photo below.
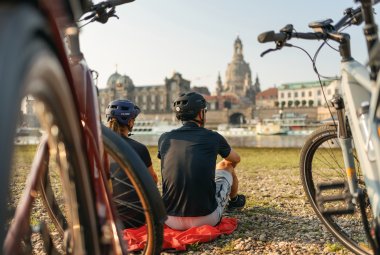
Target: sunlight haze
(154, 38)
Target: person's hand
(226, 165)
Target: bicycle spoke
(322, 162)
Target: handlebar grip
(271, 36)
(119, 2)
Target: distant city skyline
(152, 39)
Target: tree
(283, 104)
(303, 102)
(311, 102)
(290, 103)
(276, 103)
(297, 103)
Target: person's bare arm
(233, 157)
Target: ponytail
(114, 125)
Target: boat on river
(153, 127)
(235, 131)
(286, 124)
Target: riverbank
(252, 141)
(277, 218)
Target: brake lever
(111, 13)
(278, 47)
(267, 51)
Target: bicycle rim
(322, 161)
(135, 194)
(38, 105)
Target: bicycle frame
(356, 128)
(85, 96)
(357, 88)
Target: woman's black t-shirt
(123, 193)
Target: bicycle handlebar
(352, 16)
(271, 36)
(324, 31)
(119, 2)
(109, 4)
(99, 12)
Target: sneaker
(236, 203)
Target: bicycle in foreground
(56, 197)
(340, 161)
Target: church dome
(112, 80)
(126, 82)
(238, 72)
(238, 69)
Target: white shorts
(223, 181)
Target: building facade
(267, 98)
(152, 99)
(307, 94)
(236, 93)
(238, 79)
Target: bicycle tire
(29, 67)
(143, 184)
(321, 160)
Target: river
(278, 141)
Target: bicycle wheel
(136, 196)
(321, 160)
(36, 101)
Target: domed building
(150, 98)
(112, 80)
(238, 77)
(235, 97)
(237, 92)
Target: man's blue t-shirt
(188, 160)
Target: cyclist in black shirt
(121, 115)
(194, 193)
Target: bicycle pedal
(338, 201)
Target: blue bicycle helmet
(188, 105)
(122, 110)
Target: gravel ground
(279, 222)
(276, 220)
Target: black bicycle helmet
(122, 110)
(188, 105)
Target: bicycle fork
(352, 194)
(345, 140)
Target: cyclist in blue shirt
(121, 115)
(196, 190)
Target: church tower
(238, 73)
(219, 86)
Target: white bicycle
(340, 161)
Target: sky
(154, 38)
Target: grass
(254, 160)
(269, 177)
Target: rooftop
(302, 85)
